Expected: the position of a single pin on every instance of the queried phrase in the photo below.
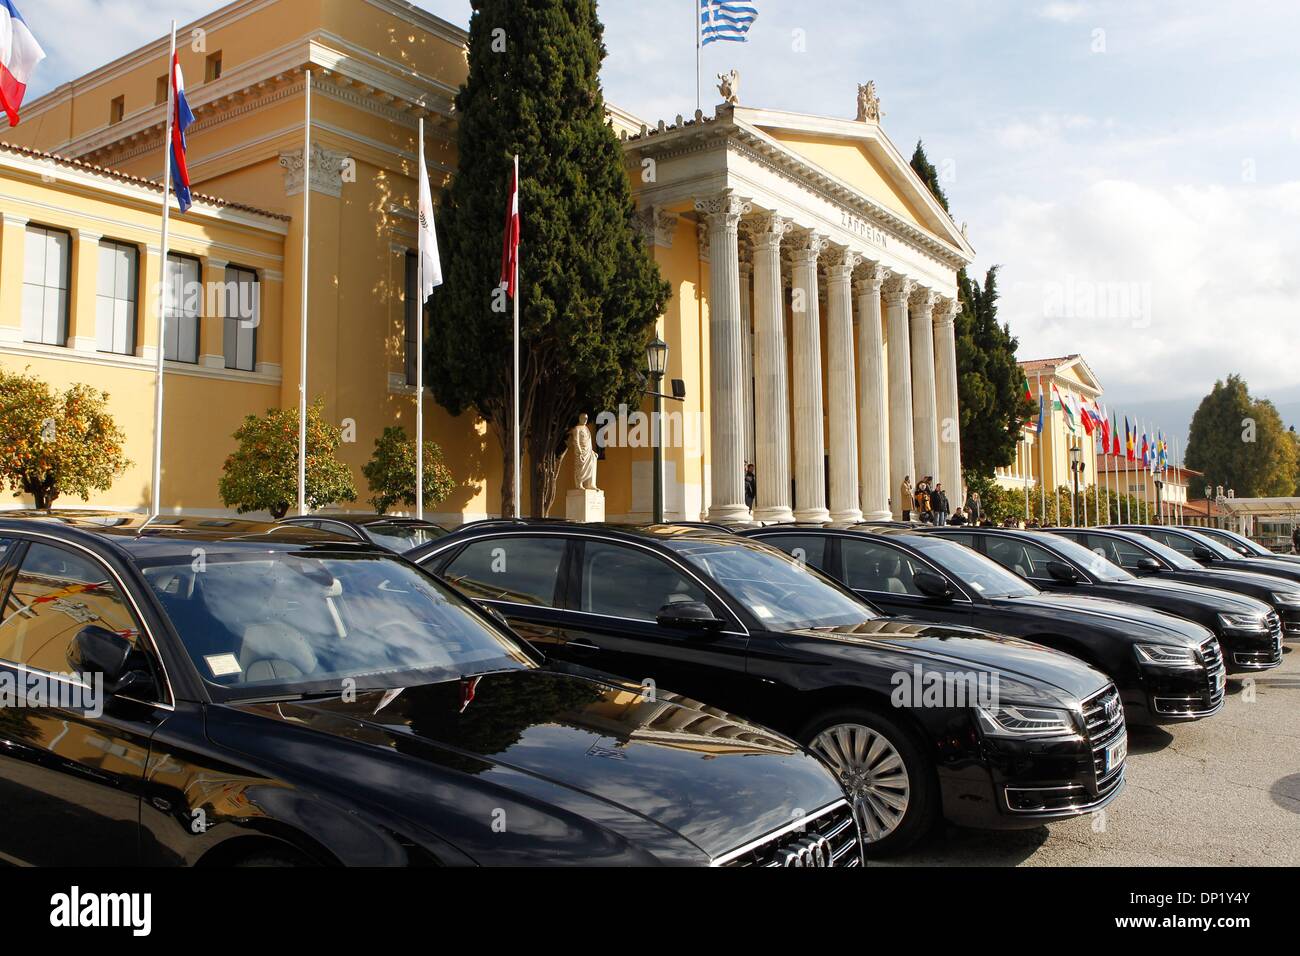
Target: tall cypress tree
(989, 379)
(589, 292)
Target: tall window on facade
(412, 337)
(46, 269)
(243, 315)
(184, 304)
(115, 299)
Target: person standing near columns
(945, 354)
(726, 433)
(873, 422)
(771, 389)
(902, 462)
(809, 440)
(925, 425)
(841, 385)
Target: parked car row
(515, 692)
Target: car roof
(137, 535)
(904, 533)
(359, 518)
(646, 533)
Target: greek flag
(726, 19)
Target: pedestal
(585, 506)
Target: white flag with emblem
(430, 267)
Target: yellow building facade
(813, 275)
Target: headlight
(1010, 720)
(1244, 622)
(1288, 598)
(1166, 654)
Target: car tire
(875, 786)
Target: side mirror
(933, 585)
(1062, 573)
(689, 616)
(1201, 553)
(1148, 564)
(97, 650)
(1241, 550)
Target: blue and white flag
(726, 20)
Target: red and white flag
(19, 54)
(510, 244)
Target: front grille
(1103, 715)
(827, 838)
(1208, 701)
(1213, 659)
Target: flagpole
(419, 345)
(1096, 479)
(155, 503)
(1029, 472)
(518, 508)
(1042, 448)
(699, 50)
(302, 345)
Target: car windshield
(777, 590)
(983, 575)
(1091, 561)
(273, 623)
(402, 537)
(1219, 550)
(1233, 540)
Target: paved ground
(1223, 791)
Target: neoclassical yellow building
(813, 275)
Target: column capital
(806, 246)
(945, 311)
(898, 288)
(840, 262)
(766, 230)
(922, 301)
(657, 226)
(870, 278)
(724, 210)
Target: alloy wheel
(872, 773)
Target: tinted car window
(55, 594)
(626, 582)
(523, 570)
(300, 622)
(1114, 550)
(810, 549)
(401, 536)
(971, 568)
(1026, 560)
(1098, 565)
(870, 566)
(1180, 544)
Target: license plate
(1220, 681)
(1116, 753)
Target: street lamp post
(656, 354)
(1076, 467)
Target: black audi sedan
(225, 692)
(397, 534)
(1146, 558)
(918, 720)
(1249, 631)
(1211, 554)
(1167, 669)
(1244, 546)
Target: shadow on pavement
(958, 846)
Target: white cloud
(1063, 12)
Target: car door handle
(583, 647)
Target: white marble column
(841, 386)
(925, 435)
(902, 461)
(949, 432)
(771, 389)
(747, 350)
(809, 439)
(726, 427)
(873, 422)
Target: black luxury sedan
(397, 534)
(1147, 557)
(1244, 546)
(919, 720)
(227, 692)
(1211, 554)
(1249, 631)
(1167, 669)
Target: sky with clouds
(1133, 166)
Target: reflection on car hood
(1239, 576)
(964, 647)
(1125, 619)
(712, 779)
(1225, 602)
(1273, 567)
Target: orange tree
(55, 444)
(262, 473)
(391, 471)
